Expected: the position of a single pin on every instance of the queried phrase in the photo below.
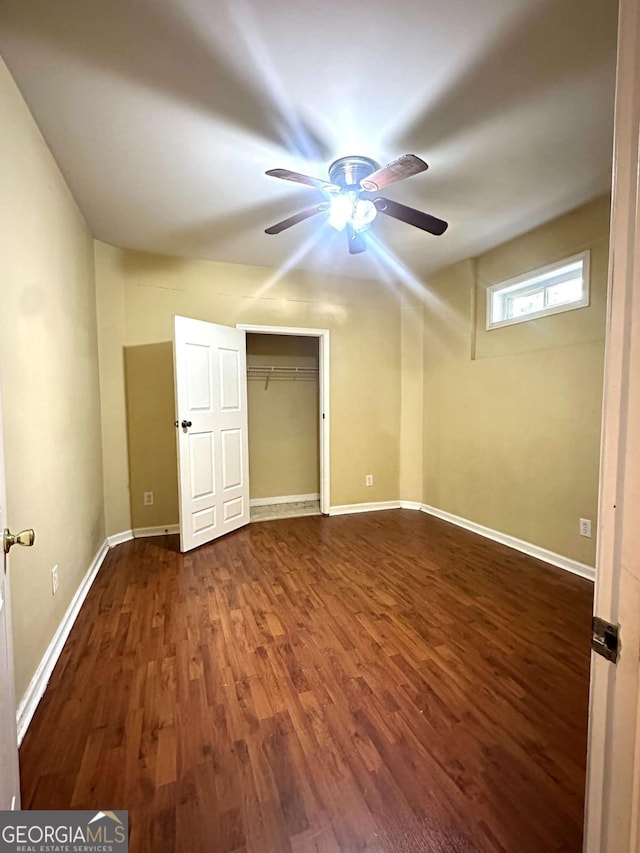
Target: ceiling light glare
(341, 210)
(364, 212)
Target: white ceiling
(164, 115)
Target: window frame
(518, 285)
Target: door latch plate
(605, 639)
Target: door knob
(186, 424)
(25, 537)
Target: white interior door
(613, 767)
(9, 774)
(211, 415)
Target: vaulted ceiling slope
(164, 116)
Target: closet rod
(267, 372)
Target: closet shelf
(268, 372)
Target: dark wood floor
(382, 682)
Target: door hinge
(605, 639)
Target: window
(557, 287)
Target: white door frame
(9, 766)
(323, 382)
(612, 818)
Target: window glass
(527, 304)
(567, 291)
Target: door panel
(199, 378)
(231, 459)
(202, 461)
(230, 380)
(233, 509)
(213, 453)
(203, 521)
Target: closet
(284, 439)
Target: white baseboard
(38, 684)
(558, 560)
(410, 505)
(119, 538)
(284, 499)
(141, 532)
(536, 551)
(347, 509)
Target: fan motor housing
(349, 171)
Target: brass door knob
(25, 537)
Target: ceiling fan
(351, 198)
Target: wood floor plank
(383, 683)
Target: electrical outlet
(54, 580)
(585, 527)
(148, 498)
(368, 480)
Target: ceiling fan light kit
(352, 182)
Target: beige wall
(110, 305)
(153, 463)
(49, 379)
(512, 416)
(364, 321)
(411, 396)
(284, 448)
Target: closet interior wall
(284, 436)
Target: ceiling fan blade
(411, 216)
(297, 217)
(398, 170)
(357, 242)
(318, 183)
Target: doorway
(284, 430)
(288, 392)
